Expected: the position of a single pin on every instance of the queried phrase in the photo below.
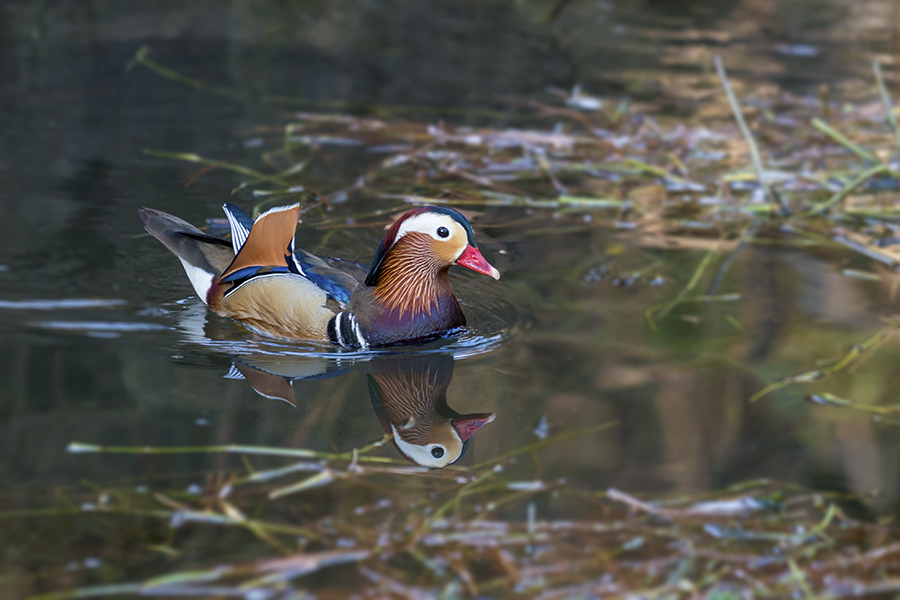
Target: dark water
(549, 345)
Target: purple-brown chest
(424, 317)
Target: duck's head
(436, 445)
(435, 237)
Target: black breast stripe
(345, 330)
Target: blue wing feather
(339, 278)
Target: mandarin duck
(261, 280)
(409, 395)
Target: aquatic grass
(841, 139)
(82, 448)
(480, 526)
(848, 189)
(748, 136)
(829, 399)
(468, 540)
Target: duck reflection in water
(408, 393)
(410, 398)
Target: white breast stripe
(293, 256)
(359, 335)
(337, 329)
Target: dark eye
(443, 232)
(438, 451)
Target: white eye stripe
(429, 223)
(421, 455)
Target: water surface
(558, 344)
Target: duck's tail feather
(269, 242)
(202, 256)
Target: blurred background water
(553, 346)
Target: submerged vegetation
(800, 172)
